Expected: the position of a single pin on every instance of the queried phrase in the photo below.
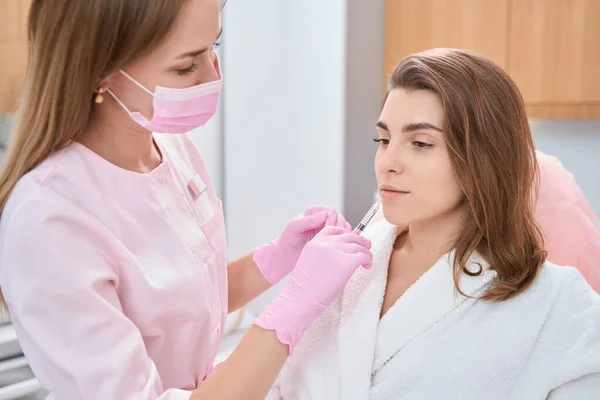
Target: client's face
(416, 179)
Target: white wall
(284, 68)
(364, 90)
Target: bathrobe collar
(366, 343)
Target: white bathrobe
(436, 344)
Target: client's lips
(390, 192)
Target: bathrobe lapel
(428, 301)
(361, 304)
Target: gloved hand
(277, 259)
(323, 269)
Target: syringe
(368, 217)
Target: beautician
(113, 259)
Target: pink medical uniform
(569, 225)
(116, 281)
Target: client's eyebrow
(382, 125)
(418, 126)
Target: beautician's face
(184, 58)
(416, 180)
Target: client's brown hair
(492, 152)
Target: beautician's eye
(382, 142)
(188, 70)
(421, 145)
(217, 42)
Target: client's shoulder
(567, 289)
(562, 277)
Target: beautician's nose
(209, 70)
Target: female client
(460, 302)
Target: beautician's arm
(254, 365)
(245, 281)
(250, 370)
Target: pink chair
(570, 227)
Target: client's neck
(416, 249)
(432, 237)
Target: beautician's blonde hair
(73, 45)
(493, 155)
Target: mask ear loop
(136, 82)
(114, 96)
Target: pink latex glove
(323, 269)
(277, 259)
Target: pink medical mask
(177, 110)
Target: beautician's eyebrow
(196, 53)
(418, 126)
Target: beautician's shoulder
(62, 178)
(47, 241)
(42, 232)
(58, 189)
(45, 237)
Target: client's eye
(382, 142)
(421, 145)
